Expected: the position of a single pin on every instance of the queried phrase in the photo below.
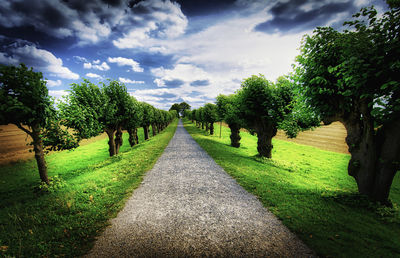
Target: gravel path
(188, 206)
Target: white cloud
(95, 65)
(164, 20)
(122, 61)
(93, 75)
(51, 83)
(129, 81)
(223, 55)
(42, 60)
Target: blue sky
(164, 51)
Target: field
(327, 137)
(310, 191)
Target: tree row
(87, 111)
(351, 76)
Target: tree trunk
(118, 139)
(207, 126)
(111, 143)
(265, 132)
(153, 129)
(389, 161)
(136, 136)
(132, 138)
(202, 125)
(235, 135)
(375, 155)
(39, 153)
(146, 132)
(211, 128)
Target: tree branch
(23, 129)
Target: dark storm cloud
(201, 7)
(200, 83)
(300, 15)
(173, 83)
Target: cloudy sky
(167, 51)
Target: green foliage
(261, 101)
(175, 107)
(338, 70)
(210, 113)
(24, 97)
(117, 104)
(148, 114)
(83, 109)
(134, 115)
(182, 107)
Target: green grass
(311, 193)
(88, 189)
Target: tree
(90, 110)
(135, 120)
(182, 107)
(354, 77)
(148, 118)
(264, 106)
(228, 110)
(25, 102)
(177, 108)
(210, 116)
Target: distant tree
(354, 77)
(210, 116)
(177, 108)
(182, 107)
(229, 111)
(264, 106)
(25, 102)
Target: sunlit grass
(310, 191)
(88, 189)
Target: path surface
(188, 206)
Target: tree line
(351, 76)
(87, 111)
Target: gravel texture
(187, 205)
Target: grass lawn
(88, 189)
(310, 191)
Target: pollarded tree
(264, 106)
(135, 118)
(354, 77)
(118, 103)
(148, 118)
(210, 116)
(228, 111)
(25, 102)
(90, 110)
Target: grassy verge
(88, 189)
(310, 191)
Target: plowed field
(13, 144)
(330, 137)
